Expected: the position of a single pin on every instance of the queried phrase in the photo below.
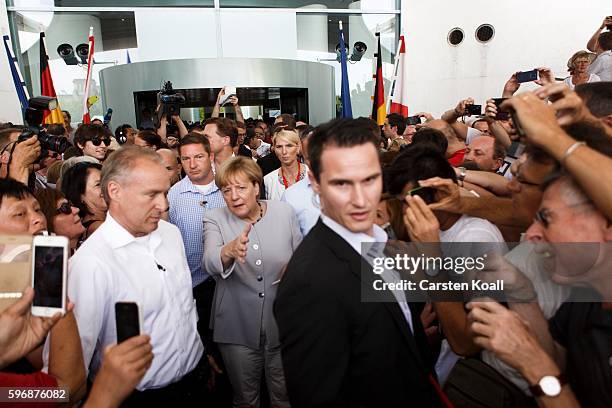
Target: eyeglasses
(65, 208)
(544, 215)
(98, 142)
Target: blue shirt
(188, 204)
(305, 204)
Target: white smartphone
(49, 268)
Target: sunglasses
(98, 142)
(65, 208)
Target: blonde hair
(291, 136)
(571, 63)
(237, 166)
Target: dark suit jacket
(337, 350)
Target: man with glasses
(189, 200)
(564, 360)
(93, 140)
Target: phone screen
(48, 279)
(127, 320)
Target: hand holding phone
(501, 113)
(128, 320)
(413, 120)
(49, 268)
(527, 76)
(473, 110)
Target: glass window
(133, 3)
(115, 37)
(390, 5)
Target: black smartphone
(128, 320)
(501, 114)
(473, 110)
(413, 120)
(527, 76)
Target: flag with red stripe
(46, 85)
(378, 106)
(86, 117)
(399, 89)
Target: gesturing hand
(237, 249)
(511, 86)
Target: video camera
(169, 102)
(33, 119)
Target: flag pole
(395, 65)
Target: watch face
(550, 386)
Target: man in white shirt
(601, 44)
(135, 256)
(301, 196)
(260, 147)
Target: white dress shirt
(355, 239)
(302, 198)
(112, 266)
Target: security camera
(67, 53)
(82, 51)
(359, 50)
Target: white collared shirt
(302, 198)
(355, 239)
(112, 266)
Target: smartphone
(413, 120)
(527, 76)
(128, 319)
(501, 114)
(49, 269)
(473, 109)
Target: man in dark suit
(338, 350)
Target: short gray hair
(119, 165)
(569, 190)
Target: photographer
(601, 44)
(171, 141)
(18, 159)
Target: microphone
(161, 268)
(107, 117)
(203, 203)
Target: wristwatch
(549, 385)
(462, 173)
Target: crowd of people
(242, 243)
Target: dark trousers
(189, 391)
(221, 395)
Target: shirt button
(259, 278)
(610, 361)
(255, 247)
(258, 262)
(261, 295)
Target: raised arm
(593, 43)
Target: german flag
(378, 107)
(46, 86)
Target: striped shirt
(188, 204)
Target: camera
(170, 102)
(33, 119)
(473, 109)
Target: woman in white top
(577, 66)
(286, 146)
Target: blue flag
(345, 94)
(129, 61)
(19, 83)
